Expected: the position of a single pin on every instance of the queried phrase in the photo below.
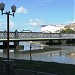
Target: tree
(67, 31)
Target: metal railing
(16, 34)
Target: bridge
(23, 35)
(16, 37)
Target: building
(70, 26)
(51, 28)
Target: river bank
(46, 49)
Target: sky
(31, 14)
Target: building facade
(51, 28)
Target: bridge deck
(37, 39)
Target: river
(52, 53)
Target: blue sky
(31, 14)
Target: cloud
(35, 22)
(11, 24)
(74, 21)
(3, 24)
(21, 9)
(71, 21)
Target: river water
(52, 53)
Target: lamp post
(13, 8)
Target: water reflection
(53, 53)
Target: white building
(51, 28)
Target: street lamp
(13, 8)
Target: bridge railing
(67, 35)
(38, 35)
(45, 35)
(16, 34)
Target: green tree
(67, 31)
